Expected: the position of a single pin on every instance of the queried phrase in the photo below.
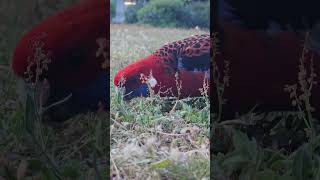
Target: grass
(30, 147)
(155, 138)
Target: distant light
(129, 3)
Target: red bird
(263, 42)
(188, 58)
(73, 41)
(260, 67)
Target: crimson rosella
(75, 41)
(184, 63)
(260, 67)
(264, 41)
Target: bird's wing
(190, 54)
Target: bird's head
(137, 78)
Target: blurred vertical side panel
(54, 92)
(213, 120)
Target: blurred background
(19, 16)
(51, 154)
(162, 13)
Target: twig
(115, 167)
(77, 149)
(57, 103)
(235, 121)
(168, 134)
(119, 124)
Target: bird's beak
(141, 91)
